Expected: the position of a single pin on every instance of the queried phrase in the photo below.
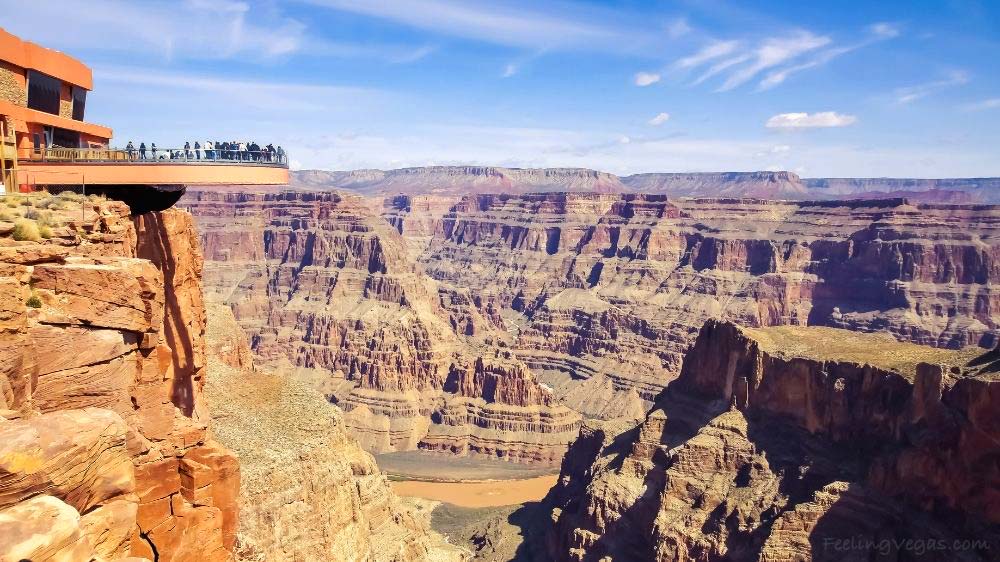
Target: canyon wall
(105, 450)
(603, 294)
(794, 443)
(319, 281)
(458, 180)
(769, 185)
(309, 492)
(985, 190)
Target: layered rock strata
(416, 217)
(105, 451)
(608, 291)
(794, 443)
(318, 280)
(770, 185)
(459, 180)
(309, 492)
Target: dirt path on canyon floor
(478, 494)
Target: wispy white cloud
(509, 70)
(911, 94)
(678, 28)
(884, 30)
(709, 52)
(877, 32)
(720, 67)
(646, 78)
(410, 54)
(185, 29)
(810, 120)
(776, 57)
(238, 94)
(991, 103)
(484, 21)
(659, 119)
(773, 52)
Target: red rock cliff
(776, 443)
(104, 446)
(333, 291)
(614, 288)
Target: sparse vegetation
(40, 213)
(26, 230)
(34, 302)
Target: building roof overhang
(32, 56)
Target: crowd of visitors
(209, 150)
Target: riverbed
(490, 493)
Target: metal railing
(161, 156)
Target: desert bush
(33, 214)
(70, 196)
(34, 302)
(6, 216)
(45, 231)
(26, 230)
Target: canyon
(619, 308)
(309, 492)
(713, 377)
(604, 293)
(111, 448)
(793, 443)
(327, 288)
(459, 181)
(493, 325)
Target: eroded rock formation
(320, 281)
(794, 443)
(459, 180)
(608, 291)
(309, 492)
(105, 450)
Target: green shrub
(26, 230)
(45, 231)
(34, 302)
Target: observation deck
(45, 143)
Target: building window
(43, 92)
(65, 138)
(79, 102)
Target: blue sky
(824, 89)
